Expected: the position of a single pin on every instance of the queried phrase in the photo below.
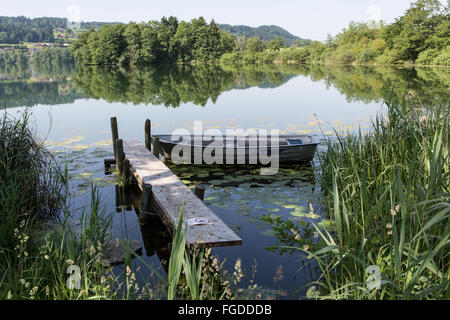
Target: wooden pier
(165, 193)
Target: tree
(276, 44)
(255, 45)
(185, 40)
(409, 34)
(132, 34)
(108, 45)
(166, 31)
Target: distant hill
(96, 24)
(32, 29)
(265, 33)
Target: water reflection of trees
(174, 85)
(28, 94)
(168, 86)
(376, 84)
(29, 85)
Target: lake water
(72, 110)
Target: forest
(418, 37)
(15, 30)
(154, 42)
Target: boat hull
(230, 155)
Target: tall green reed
(388, 194)
(34, 254)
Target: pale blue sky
(311, 19)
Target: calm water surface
(73, 110)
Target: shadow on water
(155, 236)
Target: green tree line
(420, 37)
(154, 42)
(15, 30)
(20, 29)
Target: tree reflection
(176, 84)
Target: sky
(311, 19)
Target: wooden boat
(240, 149)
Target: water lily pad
(244, 211)
(83, 175)
(73, 139)
(202, 175)
(79, 147)
(292, 206)
(103, 143)
(215, 182)
(240, 202)
(102, 154)
(268, 233)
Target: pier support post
(120, 155)
(109, 162)
(200, 192)
(147, 198)
(119, 198)
(115, 135)
(126, 170)
(155, 141)
(148, 134)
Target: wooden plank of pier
(168, 193)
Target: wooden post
(126, 170)
(115, 134)
(127, 197)
(148, 134)
(109, 162)
(118, 199)
(147, 198)
(155, 141)
(200, 192)
(120, 155)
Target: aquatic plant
(388, 193)
(31, 181)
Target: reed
(387, 192)
(39, 244)
(31, 181)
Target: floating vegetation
(241, 190)
(103, 143)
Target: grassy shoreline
(388, 193)
(65, 261)
(300, 56)
(35, 260)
